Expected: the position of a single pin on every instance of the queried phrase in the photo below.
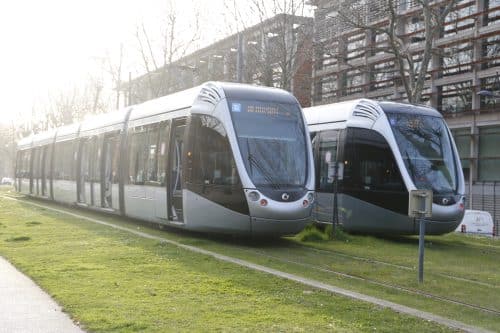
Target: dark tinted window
(370, 171)
(213, 161)
(369, 162)
(212, 170)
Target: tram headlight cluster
(254, 196)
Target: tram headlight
(254, 196)
(310, 197)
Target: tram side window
(161, 161)
(64, 161)
(213, 162)
(23, 163)
(37, 168)
(46, 160)
(326, 159)
(148, 147)
(112, 158)
(370, 164)
(152, 153)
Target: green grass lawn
(112, 281)
(458, 267)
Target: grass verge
(111, 281)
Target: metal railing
(486, 196)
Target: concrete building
(276, 52)
(349, 63)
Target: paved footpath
(25, 308)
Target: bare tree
(157, 54)
(115, 71)
(280, 50)
(385, 20)
(8, 137)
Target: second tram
(377, 152)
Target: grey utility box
(420, 203)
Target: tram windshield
(426, 148)
(272, 141)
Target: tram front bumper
(273, 227)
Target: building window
(382, 75)
(327, 89)
(492, 84)
(461, 19)
(493, 8)
(354, 81)
(489, 153)
(457, 59)
(491, 52)
(456, 97)
(462, 141)
(356, 47)
(415, 30)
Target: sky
(50, 45)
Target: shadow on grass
(189, 237)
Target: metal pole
(335, 217)
(129, 88)
(421, 250)
(239, 59)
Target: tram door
(45, 171)
(90, 192)
(110, 157)
(325, 145)
(36, 171)
(175, 171)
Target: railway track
(407, 268)
(376, 282)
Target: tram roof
(394, 107)
(343, 111)
(265, 94)
(68, 132)
(44, 138)
(104, 122)
(174, 102)
(25, 143)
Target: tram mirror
(340, 170)
(328, 157)
(420, 203)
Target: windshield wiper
(265, 173)
(411, 167)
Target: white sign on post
(420, 206)
(420, 203)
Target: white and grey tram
(379, 152)
(221, 157)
